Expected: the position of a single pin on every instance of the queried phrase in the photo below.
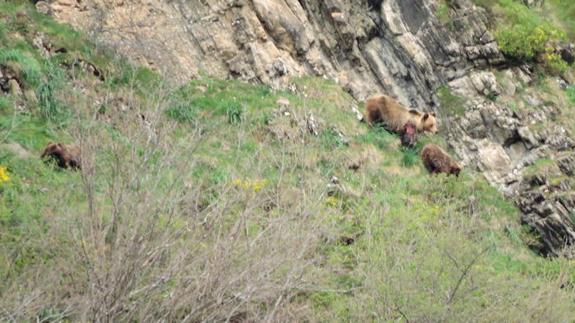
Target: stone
(43, 7)
(528, 137)
(493, 157)
(14, 88)
(358, 115)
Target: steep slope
(220, 200)
(410, 48)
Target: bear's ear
(433, 114)
(413, 111)
(425, 117)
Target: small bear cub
(436, 160)
(66, 156)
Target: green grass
(565, 11)
(23, 64)
(377, 136)
(209, 207)
(571, 94)
(451, 103)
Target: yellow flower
(4, 177)
(259, 185)
(332, 201)
(256, 185)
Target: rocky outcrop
(397, 47)
(526, 154)
(367, 46)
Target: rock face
(397, 47)
(527, 155)
(393, 46)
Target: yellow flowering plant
(255, 185)
(4, 177)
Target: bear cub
(66, 156)
(436, 160)
(386, 110)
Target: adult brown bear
(386, 110)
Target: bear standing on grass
(66, 156)
(387, 111)
(436, 160)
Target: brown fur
(436, 160)
(66, 156)
(387, 111)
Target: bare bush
(143, 241)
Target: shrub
(554, 64)
(522, 33)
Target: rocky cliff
(398, 47)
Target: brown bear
(66, 156)
(436, 160)
(387, 111)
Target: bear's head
(52, 149)
(429, 123)
(455, 169)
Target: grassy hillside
(208, 202)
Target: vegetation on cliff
(221, 200)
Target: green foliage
(141, 79)
(331, 139)
(184, 113)
(524, 34)
(50, 106)
(554, 64)
(451, 103)
(410, 156)
(377, 136)
(442, 12)
(565, 11)
(571, 94)
(23, 64)
(390, 243)
(235, 112)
